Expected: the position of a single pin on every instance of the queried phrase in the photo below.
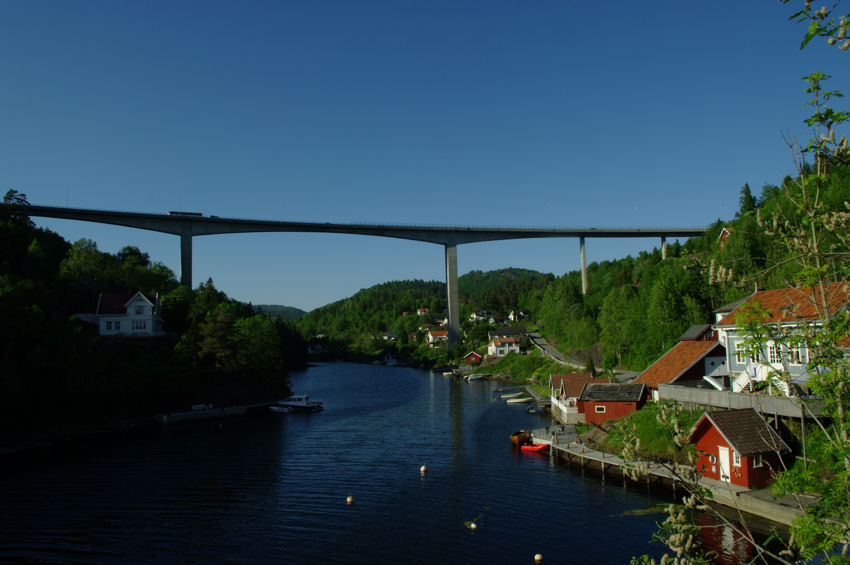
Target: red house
(737, 446)
(609, 401)
(473, 357)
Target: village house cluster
(718, 367)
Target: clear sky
(485, 113)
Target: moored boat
(520, 437)
(512, 395)
(534, 447)
(299, 403)
(519, 400)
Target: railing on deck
(776, 405)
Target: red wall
(613, 410)
(708, 439)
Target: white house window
(140, 310)
(736, 459)
(117, 326)
(139, 324)
(743, 354)
(757, 460)
(773, 353)
(797, 355)
(108, 326)
(599, 409)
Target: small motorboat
(518, 400)
(512, 395)
(298, 403)
(534, 447)
(280, 409)
(520, 437)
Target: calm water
(274, 489)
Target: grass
(656, 440)
(524, 368)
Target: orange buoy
(538, 558)
(349, 499)
(422, 469)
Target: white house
(784, 309)
(129, 314)
(501, 346)
(437, 336)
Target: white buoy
(422, 469)
(349, 499)
(538, 558)
(473, 525)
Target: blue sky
(442, 112)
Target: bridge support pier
(583, 266)
(451, 292)
(663, 247)
(186, 256)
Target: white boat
(519, 400)
(280, 409)
(513, 395)
(298, 403)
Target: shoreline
(565, 446)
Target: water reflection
(275, 488)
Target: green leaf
(814, 29)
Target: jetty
(566, 446)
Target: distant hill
(477, 282)
(278, 311)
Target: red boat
(534, 447)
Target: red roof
(438, 333)
(790, 304)
(676, 361)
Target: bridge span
(190, 224)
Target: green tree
(616, 331)
(257, 345)
(216, 336)
(746, 203)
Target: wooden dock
(566, 446)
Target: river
(274, 488)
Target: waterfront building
(738, 447)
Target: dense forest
(58, 374)
(635, 308)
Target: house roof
(612, 392)
(473, 353)
(573, 383)
(726, 308)
(694, 332)
(507, 331)
(789, 304)
(744, 430)
(676, 361)
(116, 302)
(504, 341)
(438, 333)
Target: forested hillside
(277, 311)
(635, 309)
(58, 375)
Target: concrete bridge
(190, 224)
